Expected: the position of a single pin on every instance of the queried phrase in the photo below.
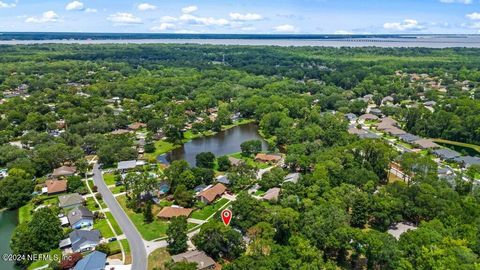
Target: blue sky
(247, 16)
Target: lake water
(222, 143)
(472, 41)
(8, 222)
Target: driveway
(137, 247)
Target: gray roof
(78, 214)
(410, 138)
(445, 153)
(79, 237)
(292, 177)
(199, 257)
(70, 200)
(369, 135)
(125, 165)
(93, 261)
(351, 116)
(468, 160)
(223, 179)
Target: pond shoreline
(219, 143)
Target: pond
(222, 143)
(8, 222)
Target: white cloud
(406, 25)
(473, 16)
(234, 16)
(146, 6)
(48, 16)
(189, 9)
(248, 29)
(207, 21)
(7, 5)
(168, 19)
(466, 2)
(285, 28)
(75, 5)
(91, 10)
(163, 27)
(122, 18)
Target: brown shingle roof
(267, 158)
(56, 186)
(170, 212)
(212, 193)
(136, 126)
(64, 171)
(426, 143)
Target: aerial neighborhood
(129, 156)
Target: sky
(243, 16)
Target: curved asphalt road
(137, 248)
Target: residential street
(137, 247)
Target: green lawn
(114, 223)
(114, 247)
(250, 161)
(467, 145)
(118, 189)
(109, 179)
(25, 213)
(161, 147)
(102, 226)
(149, 231)
(241, 122)
(91, 205)
(158, 258)
(208, 210)
(54, 254)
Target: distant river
(421, 41)
(8, 222)
(222, 143)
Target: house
(467, 161)
(195, 256)
(368, 117)
(386, 123)
(376, 112)
(430, 103)
(398, 229)
(169, 212)
(211, 194)
(64, 171)
(70, 200)
(93, 261)
(368, 135)
(395, 131)
(56, 186)
(82, 241)
(199, 188)
(446, 154)
(351, 117)
(408, 138)
(126, 165)
(272, 194)
(136, 126)
(266, 158)
(235, 161)
(120, 132)
(80, 217)
(426, 144)
(292, 178)
(223, 179)
(356, 131)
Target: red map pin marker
(226, 216)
